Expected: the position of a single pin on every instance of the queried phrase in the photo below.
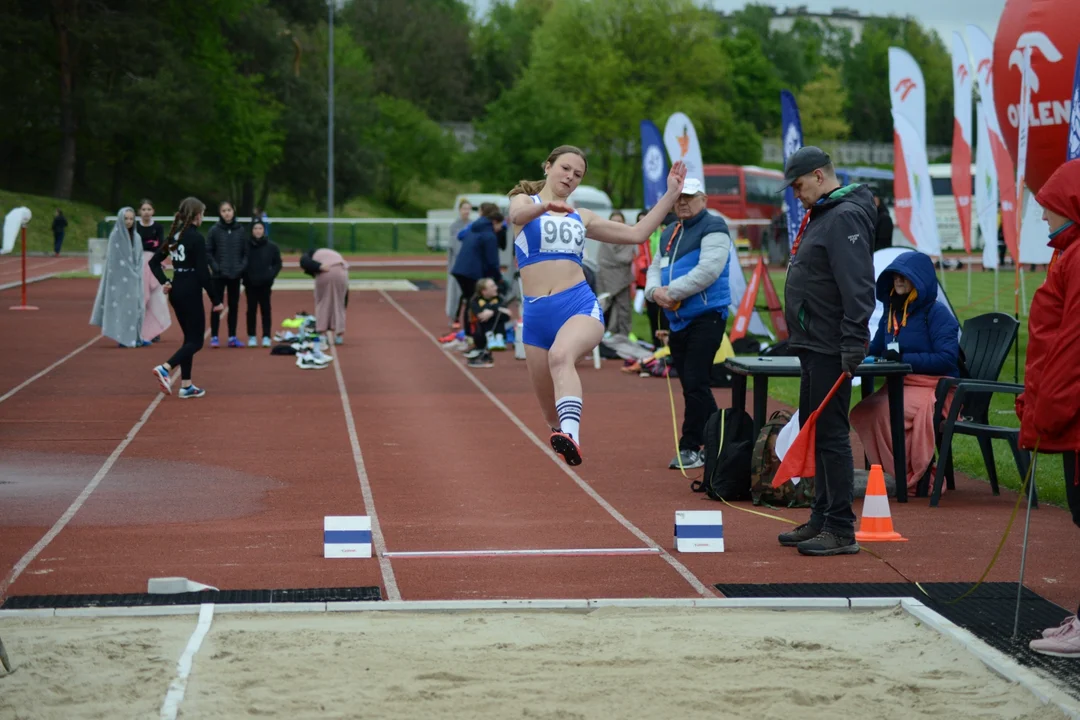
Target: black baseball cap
(804, 160)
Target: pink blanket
(156, 319)
(870, 418)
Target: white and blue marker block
(699, 531)
(346, 536)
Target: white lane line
(392, 592)
(49, 369)
(29, 281)
(79, 501)
(18, 266)
(60, 524)
(171, 705)
(568, 552)
(700, 587)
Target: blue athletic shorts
(544, 316)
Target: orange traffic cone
(876, 523)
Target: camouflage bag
(764, 464)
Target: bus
(879, 181)
(745, 192)
(948, 221)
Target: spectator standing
(828, 300)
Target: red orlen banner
(1051, 30)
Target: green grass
(82, 221)
(967, 457)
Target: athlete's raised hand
(559, 207)
(676, 176)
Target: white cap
(692, 186)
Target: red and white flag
(911, 185)
(982, 54)
(961, 144)
(799, 461)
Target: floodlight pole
(330, 137)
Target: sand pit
(609, 662)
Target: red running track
(230, 490)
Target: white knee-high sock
(569, 409)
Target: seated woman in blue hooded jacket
(918, 330)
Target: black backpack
(729, 449)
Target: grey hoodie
(829, 294)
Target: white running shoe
(164, 379)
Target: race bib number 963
(561, 235)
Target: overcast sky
(945, 16)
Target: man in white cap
(688, 278)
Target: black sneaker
(483, 360)
(827, 543)
(800, 534)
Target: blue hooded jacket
(929, 337)
(478, 256)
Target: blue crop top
(550, 237)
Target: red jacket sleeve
(1058, 397)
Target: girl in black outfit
(264, 264)
(227, 250)
(187, 248)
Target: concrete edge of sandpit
(999, 663)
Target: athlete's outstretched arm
(607, 231)
(523, 210)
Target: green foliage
(228, 98)
(818, 101)
(412, 148)
(866, 72)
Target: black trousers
(58, 241)
(495, 324)
(468, 287)
(657, 320)
(834, 483)
(190, 315)
(230, 291)
(258, 300)
(692, 352)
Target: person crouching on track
(191, 273)
(489, 322)
(264, 264)
(562, 317)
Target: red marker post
(23, 306)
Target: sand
(607, 663)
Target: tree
(755, 95)
(518, 132)
(411, 147)
(820, 102)
(502, 44)
(641, 54)
(866, 73)
(420, 52)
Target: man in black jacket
(828, 299)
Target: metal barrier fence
(371, 235)
(346, 235)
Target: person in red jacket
(1049, 407)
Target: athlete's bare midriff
(550, 277)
